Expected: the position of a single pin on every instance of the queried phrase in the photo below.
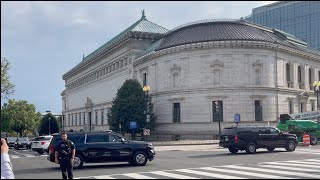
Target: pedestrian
(6, 166)
(64, 154)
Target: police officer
(64, 154)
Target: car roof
(247, 127)
(83, 132)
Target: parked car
(23, 142)
(41, 144)
(98, 147)
(250, 138)
(11, 141)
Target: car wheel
(233, 150)
(78, 161)
(40, 152)
(270, 149)
(290, 145)
(251, 148)
(139, 158)
(313, 139)
(16, 147)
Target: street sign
(146, 132)
(133, 124)
(237, 118)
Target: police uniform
(64, 149)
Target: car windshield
(23, 139)
(228, 131)
(11, 139)
(42, 138)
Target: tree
(6, 87)
(44, 125)
(20, 115)
(129, 105)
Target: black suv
(250, 138)
(95, 147)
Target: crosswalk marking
(14, 156)
(245, 173)
(270, 170)
(292, 164)
(290, 168)
(104, 177)
(273, 171)
(30, 156)
(138, 176)
(209, 174)
(299, 162)
(172, 175)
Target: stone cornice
(226, 89)
(228, 44)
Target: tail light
(236, 139)
(51, 148)
(43, 142)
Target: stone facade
(246, 77)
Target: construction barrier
(306, 139)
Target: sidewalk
(184, 142)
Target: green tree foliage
(129, 105)
(6, 87)
(44, 125)
(20, 116)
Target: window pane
(176, 112)
(92, 138)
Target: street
(184, 161)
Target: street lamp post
(316, 87)
(146, 89)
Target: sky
(44, 40)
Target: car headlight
(150, 146)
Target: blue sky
(44, 40)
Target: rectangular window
(84, 118)
(144, 79)
(80, 120)
(69, 119)
(258, 110)
(313, 106)
(176, 112)
(290, 107)
(96, 118)
(102, 117)
(217, 111)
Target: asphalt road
(186, 161)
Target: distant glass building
(299, 18)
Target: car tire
(251, 148)
(313, 139)
(40, 152)
(78, 161)
(139, 158)
(270, 149)
(290, 145)
(233, 150)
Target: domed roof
(206, 31)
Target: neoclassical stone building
(199, 73)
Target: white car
(41, 144)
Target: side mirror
(281, 133)
(123, 140)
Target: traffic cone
(306, 139)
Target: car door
(271, 137)
(262, 137)
(277, 139)
(97, 147)
(120, 151)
